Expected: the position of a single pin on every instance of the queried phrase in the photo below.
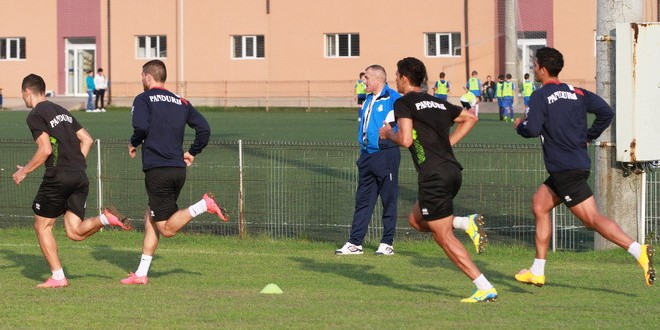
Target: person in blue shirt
(558, 114)
(89, 83)
(159, 119)
(378, 166)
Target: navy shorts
(61, 192)
(361, 98)
(163, 186)
(571, 186)
(437, 190)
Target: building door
(80, 57)
(526, 50)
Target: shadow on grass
(365, 275)
(129, 260)
(32, 266)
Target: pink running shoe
(116, 218)
(53, 283)
(134, 279)
(213, 207)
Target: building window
(342, 45)
(443, 44)
(248, 46)
(12, 48)
(151, 46)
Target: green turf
(211, 282)
(318, 125)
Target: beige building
(277, 52)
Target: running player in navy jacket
(558, 114)
(159, 121)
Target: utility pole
(615, 194)
(511, 40)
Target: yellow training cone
(271, 288)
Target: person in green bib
(508, 88)
(474, 85)
(527, 88)
(441, 89)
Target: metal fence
(306, 190)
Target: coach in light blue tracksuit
(378, 166)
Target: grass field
(200, 281)
(211, 282)
(319, 125)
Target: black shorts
(163, 186)
(61, 192)
(361, 98)
(437, 190)
(571, 186)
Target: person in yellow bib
(441, 89)
(498, 95)
(474, 85)
(527, 88)
(468, 100)
(508, 87)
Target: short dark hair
(156, 68)
(526, 76)
(442, 74)
(414, 70)
(34, 83)
(550, 59)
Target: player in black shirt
(424, 127)
(62, 146)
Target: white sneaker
(349, 249)
(102, 109)
(385, 250)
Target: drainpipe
(467, 39)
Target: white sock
(482, 283)
(197, 208)
(635, 249)
(58, 274)
(104, 220)
(538, 267)
(461, 223)
(143, 268)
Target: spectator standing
(100, 85)
(91, 90)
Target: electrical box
(637, 92)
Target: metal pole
(615, 194)
(99, 197)
(241, 194)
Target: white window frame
(151, 42)
(332, 45)
(454, 50)
(13, 44)
(244, 49)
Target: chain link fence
(306, 190)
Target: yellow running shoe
(526, 276)
(476, 232)
(646, 262)
(481, 296)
